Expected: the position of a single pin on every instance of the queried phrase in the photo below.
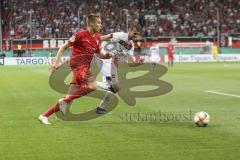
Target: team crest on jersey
(125, 44)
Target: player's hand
(137, 63)
(141, 61)
(108, 55)
(54, 67)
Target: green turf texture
(24, 94)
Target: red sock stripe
(53, 109)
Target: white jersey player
(154, 54)
(120, 44)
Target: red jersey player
(84, 44)
(170, 53)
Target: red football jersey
(84, 46)
(170, 49)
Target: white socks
(102, 85)
(106, 99)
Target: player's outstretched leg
(74, 92)
(114, 88)
(103, 85)
(172, 62)
(103, 103)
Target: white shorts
(154, 58)
(109, 71)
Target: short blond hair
(92, 18)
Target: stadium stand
(155, 18)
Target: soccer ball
(201, 119)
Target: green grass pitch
(24, 94)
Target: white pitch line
(224, 94)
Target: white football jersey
(154, 54)
(119, 45)
(154, 51)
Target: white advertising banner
(31, 60)
(228, 57)
(177, 58)
(192, 58)
(205, 58)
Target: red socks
(82, 91)
(53, 109)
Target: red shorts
(81, 74)
(170, 57)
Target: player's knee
(109, 95)
(116, 88)
(92, 85)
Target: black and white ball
(201, 119)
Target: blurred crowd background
(154, 18)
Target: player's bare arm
(61, 52)
(104, 56)
(106, 37)
(59, 55)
